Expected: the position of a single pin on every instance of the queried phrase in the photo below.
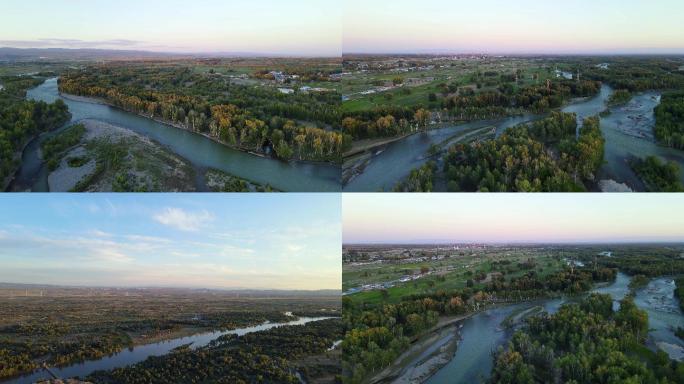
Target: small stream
(200, 151)
(139, 353)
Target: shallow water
(629, 133)
(481, 335)
(139, 353)
(664, 313)
(200, 151)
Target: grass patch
(77, 162)
(55, 146)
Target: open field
(434, 268)
(370, 82)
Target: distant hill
(26, 54)
(88, 54)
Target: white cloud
(183, 220)
(295, 248)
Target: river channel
(139, 353)
(199, 150)
(628, 131)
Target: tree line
(669, 115)
(389, 121)
(21, 120)
(245, 117)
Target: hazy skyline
(512, 218)
(288, 28)
(269, 241)
(513, 27)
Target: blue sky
(293, 27)
(513, 218)
(521, 26)
(282, 241)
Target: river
(200, 151)
(482, 333)
(139, 353)
(628, 131)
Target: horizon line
(514, 54)
(678, 242)
(171, 287)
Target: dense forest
(301, 125)
(636, 74)
(21, 120)
(461, 106)
(651, 262)
(419, 180)
(669, 127)
(377, 335)
(587, 343)
(544, 156)
(657, 175)
(261, 357)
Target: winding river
(200, 151)
(628, 131)
(139, 353)
(482, 333)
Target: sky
(256, 241)
(521, 26)
(512, 218)
(290, 28)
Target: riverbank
(20, 153)
(112, 158)
(427, 353)
(100, 101)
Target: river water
(482, 334)
(628, 131)
(139, 353)
(200, 151)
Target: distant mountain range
(88, 54)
